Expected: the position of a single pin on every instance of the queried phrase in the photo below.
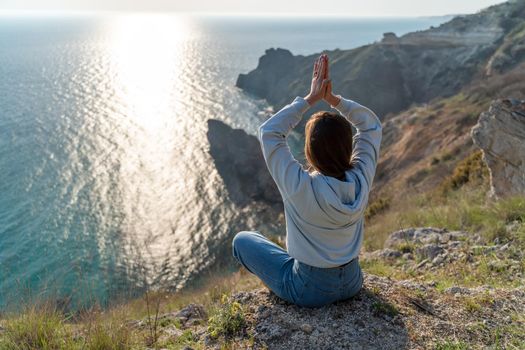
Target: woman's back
(324, 215)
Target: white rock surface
(500, 133)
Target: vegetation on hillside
(460, 202)
(463, 205)
(133, 325)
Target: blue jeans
(294, 281)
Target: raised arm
(285, 170)
(367, 140)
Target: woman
(324, 206)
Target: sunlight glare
(147, 55)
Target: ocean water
(106, 183)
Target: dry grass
(37, 327)
(44, 327)
(458, 203)
(467, 209)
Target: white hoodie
(324, 215)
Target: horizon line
(43, 13)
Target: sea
(107, 187)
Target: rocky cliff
(390, 75)
(500, 133)
(429, 87)
(239, 161)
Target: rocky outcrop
(430, 249)
(390, 75)
(425, 136)
(364, 72)
(239, 161)
(386, 314)
(371, 320)
(483, 306)
(500, 133)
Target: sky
(312, 7)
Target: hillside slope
(429, 289)
(429, 88)
(392, 74)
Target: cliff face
(390, 75)
(240, 163)
(429, 87)
(500, 133)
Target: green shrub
(451, 345)
(187, 338)
(470, 169)
(228, 319)
(376, 207)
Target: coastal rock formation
(500, 133)
(428, 87)
(390, 75)
(239, 161)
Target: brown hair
(328, 144)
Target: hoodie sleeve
(284, 168)
(367, 139)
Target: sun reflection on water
(148, 58)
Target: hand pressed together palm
(321, 86)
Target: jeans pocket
(326, 289)
(313, 296)
(326, 284)
(351, 288)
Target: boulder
(416, 235)
(429, 251)
(500, 133)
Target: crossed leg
(265, 259)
